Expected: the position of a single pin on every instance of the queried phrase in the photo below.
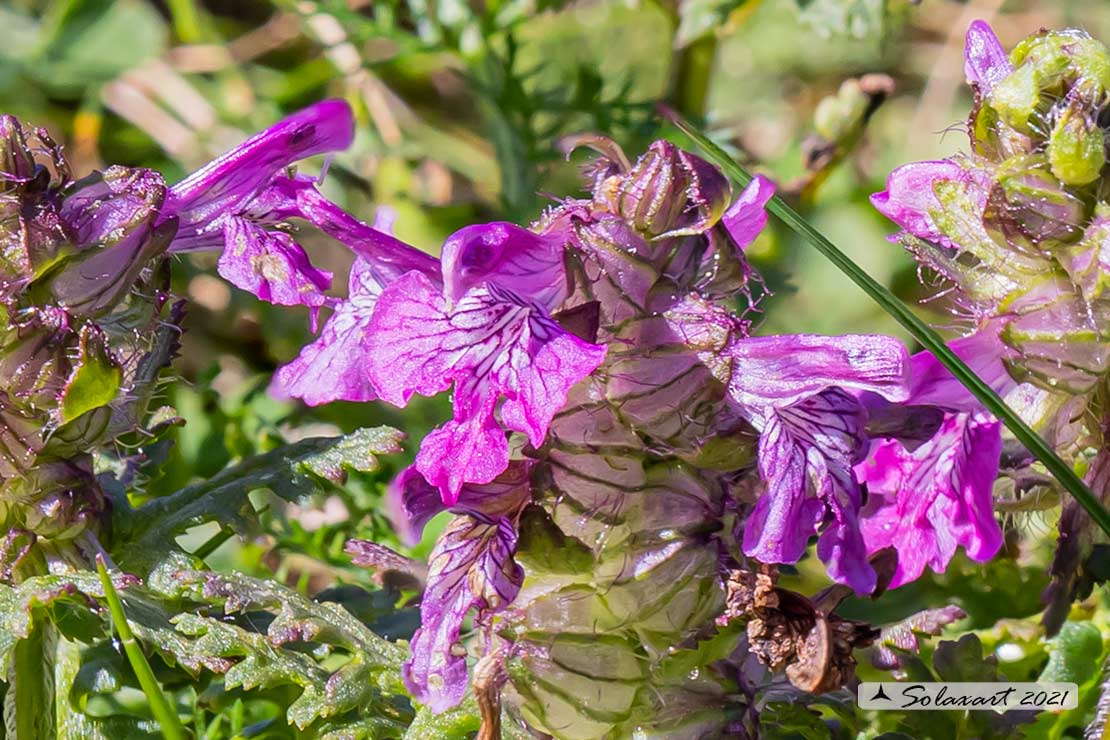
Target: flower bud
(110, 218)
(1076, 147)
(668, 192)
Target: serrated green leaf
(22, 605)
(291, 472)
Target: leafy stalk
(159, 705)
(920, 331)
(32, 702)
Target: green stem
(160, 706)
(920, 331)
(213, 543)
(186, 21)
(691, 71)
(33, 710)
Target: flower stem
(920, 331)
(186, 21)
(692, 69)
(159, 705)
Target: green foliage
(292, 472)
(80, 43)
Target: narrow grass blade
(920, 331)
(160, 706)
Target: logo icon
(880, 694)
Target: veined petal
(784, 517)
(270, 265)
(413, 500)
(491, 344)
(333, 367)
(504, 254)
(472, 449)
(536, 386)
(229, 182)
(986, 63)
(778, 371)
(748, 215)
(806, 453)
(927, 502)
(471, 566)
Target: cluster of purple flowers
(612, 317)
(602, 379)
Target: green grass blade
(920, 331)
(160, 706)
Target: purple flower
(911, 198)
(929, 501)
(793, 390)
(986, 63)
(334, 366)
(232, 203)
(747, 216)
(492, 335)
(471, 567)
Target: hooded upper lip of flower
(793, 390)
(229, 203)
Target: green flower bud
(1076, 147)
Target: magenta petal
(333, 368)
(558, 360)
(412, 500)
(781, 370)
(784, 517)
(747, 216)
(468, 450)
(504, 254)
(270, 265)
(806, 454)
(983, 352)
(490, 345)
(841, 546)
(927, 502)
(385, 255)
(408, 350)
(409, 502)
(910, 196)
(231, 180)
(986, 63)
(471, 566)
